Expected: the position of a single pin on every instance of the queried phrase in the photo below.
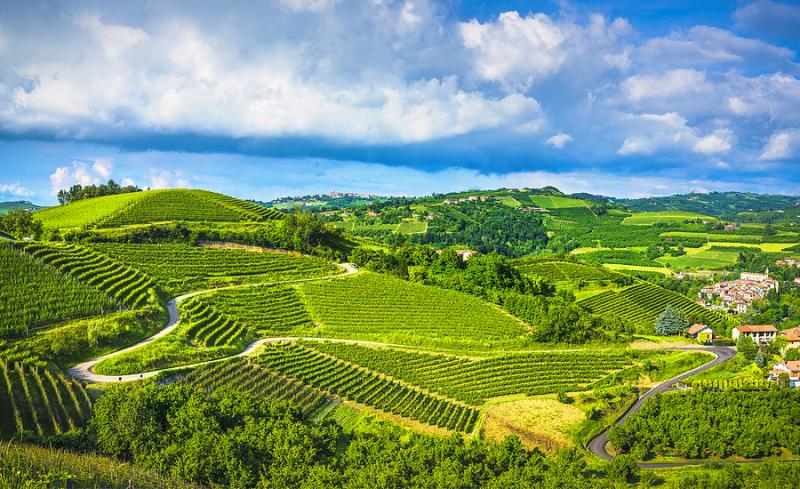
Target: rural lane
(84, 371)
(598, 444)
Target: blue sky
(400, 97)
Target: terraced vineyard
(34, 294)
(273, 310)
(474, 381)
(40, 401)
(204, 325)
(253, 379)
(642, 303)
(187, 205)
(382, 308)
(561, 270)
(182, 268)
(125, 284)
(367, 387)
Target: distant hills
(6, 207)
(726, 205)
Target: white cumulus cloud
(15, 190)
(782, 145)
(559, 140)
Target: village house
(760, 334)
(540, 210)
(792, 369)
(466, 254)
(788, 261)
(700, 332)
(731, 227)
(471, 198)
(372, 214)
(735, 296)
(792, 337)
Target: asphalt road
(598, 444)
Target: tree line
(80, 192)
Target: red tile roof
(792, 334)
(764, 328)
(695, 328)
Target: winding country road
(598, 444)
(84, 371)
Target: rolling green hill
(154, 206)
(6, 207)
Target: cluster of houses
(791, 369)
(788, 262)
(471, 198)
(735, 296)
(761, 334)
(540, 210)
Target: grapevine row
(474, 381)
(254, 379)
(33, 293)
(206, 326)
(40, 401)
(125, 284)
(180, 267)
(644, 302)
(367, 387)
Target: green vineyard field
(253, 379)
(40, 401)
(474, 381)
(560, 271)
(382, 308)
(125, 284)
(272, 310)
(205, 326)
(642, 303)
(33, 293)
(367, 387)
(182, 268)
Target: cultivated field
(183, 268)
(382, 308)
(33, 293)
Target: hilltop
(6, 207)
(154, 206)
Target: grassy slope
(85, 212)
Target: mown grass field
(84, 212)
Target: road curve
(84, 371)
(598, 444)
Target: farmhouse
(466, 254)
(760, 334)
(792, 369)
(736, 295)
(731, 227)
(789, 262)
(471, 198)
(700, 331)
(792, 337)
